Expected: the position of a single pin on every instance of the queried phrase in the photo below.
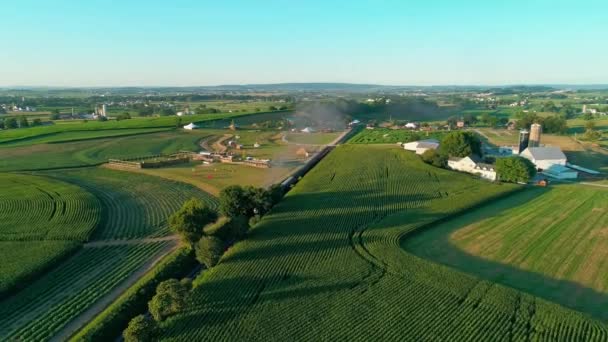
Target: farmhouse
(545, 157)
(471, 165)
(421, 146)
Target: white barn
(470, 165)
(545, 157)
(190, 126)
(421, 146)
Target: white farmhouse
(545, 157)
(470, 165)
(421, 146)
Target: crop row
(135, 205)
(326, 263)
(39, 311)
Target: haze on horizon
(194, 43)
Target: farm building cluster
(549, 160)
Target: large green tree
(140, 329)
(246, 201)
(515, 169)
(190, 219)
(460, 144)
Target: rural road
(85, 317)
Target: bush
(113, 320)
(170, 298)
(434, 158)
(209, 250)
(229, 229)
(140, 329)
(190, 219)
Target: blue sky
(181, 43)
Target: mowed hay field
(549, 242)
(327, 264)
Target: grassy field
(552, 243)
(327, 263)
(14, 135)
(390, 136)
(312, 138)
(69, 136)
(91, 152)
(135, 205)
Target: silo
(535, 132)
(524, 137)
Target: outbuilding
(545, 157)
(421, 146)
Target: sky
(211, 42)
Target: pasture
(551, 243)
(69, 136)
(326, 263)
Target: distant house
(411, 125)
(545, 157)
(472, 165)
(307, 130)
(421, 146)
(190, 126)
(460, 124)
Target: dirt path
(82, 319)
(218, 146)
(102, 243)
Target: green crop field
(40, 310)
(135, 205)
(391, 136)
(38, 208)
(551, 242)
(14, 135)
(327, 263)
(91, 152)
(68, 136)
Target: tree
(588, 116)
(170, 298)
(549, 106)
(452, 120)
(567, 111)
(460, 144)
(167, 111)
(526, 120)
(36, 122)
(554, 124)
(2, 124)
(469, 119)
(55, 115)
(515, 169)
(102, 118)
(589, 125)
(190, 219)
(140, 329)
(434, 158)
(209, 250)
(272, 108)
(246, 201)
(11, 123)
(23, 122)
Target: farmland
(391, 136)
(40, 310)
(96, 151)
(552, 251)
(135, 205)
(327, 263)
